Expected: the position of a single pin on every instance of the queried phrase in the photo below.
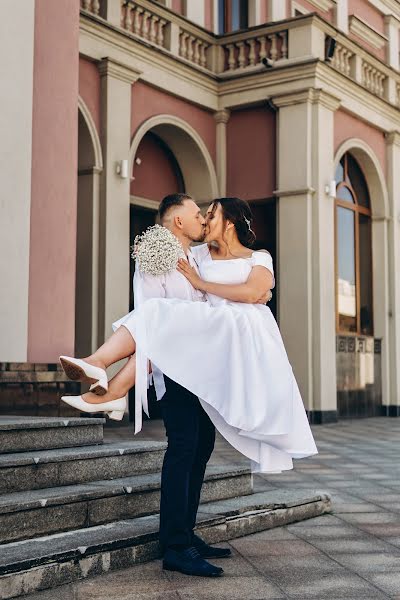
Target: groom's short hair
(169, 202)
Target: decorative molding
(393, 137)
(312, 95)
(385, 6)
(89, 171)
(144, 202)
(362, 29)
(166, 119)
(98, 156)
(392, 20)
(368, 161)
(222, 116)
(296, 6)
(300, 192)
(327, 100)
(109, 67)
(324, 5)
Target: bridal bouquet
(157, 251)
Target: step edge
(61, 424)
(149, 536)
(102, 487)
(103, 451)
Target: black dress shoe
(207, 551)
(189, 562)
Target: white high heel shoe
(115, 409)
(79, 370)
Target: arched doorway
(87, 236)
(361, 270)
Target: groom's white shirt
(169, 285)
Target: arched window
(353, 250)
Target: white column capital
(393, 137)
(311, 95)
(109, 67)
(222, 116)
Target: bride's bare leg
(120, 345)
(118, 386)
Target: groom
(190, 432)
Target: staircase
(73, 506)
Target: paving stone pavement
(352, 554)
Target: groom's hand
(190, 273)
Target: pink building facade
(294, 106)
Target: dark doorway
(140, 220)
(264, 213)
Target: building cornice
(363, 30)
(386, 6)
(323, 4)
(156, 68)
(295, 192)
(209, 91)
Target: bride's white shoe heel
(115, 409)
(79, 370)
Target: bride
(228, 351)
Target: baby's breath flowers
(157, 251)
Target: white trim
(254, 15)
(324, 5)
(180, 124)
(380, 246)
(144, 202)
(366, 32)
(215, 16)
(352, 145)
(98, 156)
(296, 6)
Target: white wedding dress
(231, 355)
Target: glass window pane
(244, 14)
(221, 17)
(357, 181)
(344, 194)
(346, 269)
(235, 8)
(339, 175)
(366, 308)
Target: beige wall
(17, 23)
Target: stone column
(222, 118)
(393, 179)
(277, 10)
(392, 27)
(195, 12)
(306, 245)
(116, 83)
(111, 11)
(342, 15)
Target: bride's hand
(189, 272)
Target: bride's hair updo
(238, 212)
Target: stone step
(40, 469)
(29, 514)
(46, 562)
(21, 434)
